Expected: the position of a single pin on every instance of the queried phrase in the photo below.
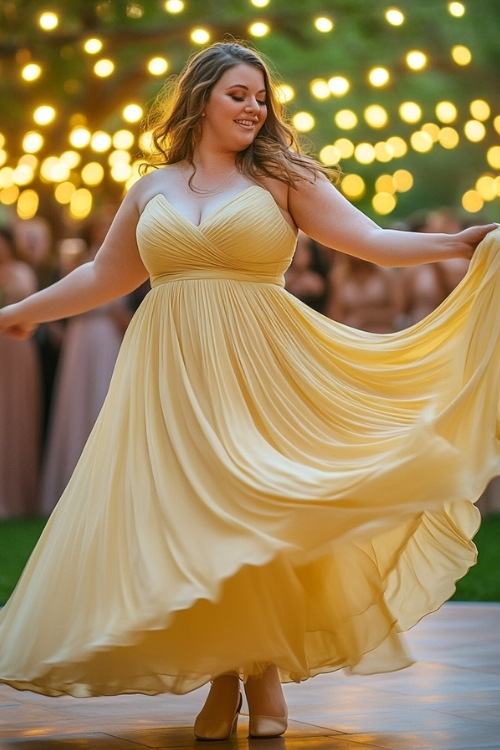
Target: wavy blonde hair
(175, 116)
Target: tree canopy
(405, 98)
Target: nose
(252, 105)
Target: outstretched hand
(468, 239)
(13, 325)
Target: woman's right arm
(116, 270)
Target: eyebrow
(242, 86)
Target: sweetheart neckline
(199, 226)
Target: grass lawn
(481, 584)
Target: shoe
(261, 727)
(216, 729)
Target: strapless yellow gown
(262, 484)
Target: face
(236, 108)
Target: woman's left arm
(323, 213)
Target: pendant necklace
(211, 191)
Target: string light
(394, 16)
(174, 6)
(48, 21)
(259, 29)
(324, 24)
(454, 125)
(31, 72)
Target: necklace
(210, 191)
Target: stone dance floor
(448, 700)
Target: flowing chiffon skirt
(263, 485)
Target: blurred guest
(302, 279)
(362, 295)
(422, 288)
(34, 243)
(89, 348)
(20, 394)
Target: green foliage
(133, 31)
(17, 540)
(482, 582)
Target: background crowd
(53, 385)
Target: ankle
(265, 695)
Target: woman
(237, 512)
(20, 395)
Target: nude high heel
(264, 693)
(261, 727)
(217, 729)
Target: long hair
(174, 119)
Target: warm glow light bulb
(304, 122)
(398, 145)
(92, 173)
(31, 72)
(345, 146)
(320, 88)
(323, 24)
(79, 137)
(80, 204)
(364, 153)
(376, 116)
(472, 201)
(103, 68)
(48, 21)
(410, 111)
(32, 142)
(446, 112)
(416, 60)
(403, 180)
(260, 3)
(123, 139)
(100, 141)
(157, 66)
(449, 138)
(132, 113)
(461, 54)
(174, 6)
(480, 110)
(474, 130)
(456, 9)
(346, 119)
(339, 85)
(92, 46)
(44, 115)
(384, 203)
(353, 186)
(421, 141)
(394, 16)
(493, 157)
(27, 204)
(259, 29)
(284, 93)
(330, 155)
(200, 36)
(378, 76)
(385, 184)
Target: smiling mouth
(246, 123)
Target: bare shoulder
(162, 180)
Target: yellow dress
(262, 484)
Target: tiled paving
(448, 700)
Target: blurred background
(406, 98)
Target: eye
(260, 103)
(238, 98)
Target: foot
(218, 718)
(266, 704)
